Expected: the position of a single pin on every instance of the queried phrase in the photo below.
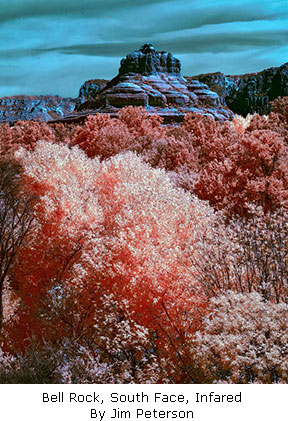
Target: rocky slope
(25, 107)
(249, 93)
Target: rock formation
(90, 89)
(24, 107)
(152, 79)
(148, 61)
(249, 93)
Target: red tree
(253, 170)
(117, 228)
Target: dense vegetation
(133, 252)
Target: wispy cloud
(87, 38)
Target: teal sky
(52, 47)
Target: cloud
(38, 76)
(41, 39)
(231, 63)
(199, 14)
(19, 9)
(224, 37)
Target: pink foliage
(27, 133)
(125, 230)
(244, 340)
(252, 170)
(104, 136)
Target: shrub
(113, 227)
(243, 340)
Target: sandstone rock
(195, 84)
(155, 97)
(147, 61)
(89, 90)
(124, 94)
(177, 98)
(152, 79)
(207, 97)
(24, 107)
(147, 78)
(204, 95)
(249, 93)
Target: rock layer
(152, 79)
(90, 89)
(44, 108)
(148, 61)
(249, 93)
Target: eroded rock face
(152, 79)
(148, 91)
(148, 61)
(24, 107)
(249, 93)
(90, 89)
(204, 94)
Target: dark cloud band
(39, 37)
(19, 9)
(213, 43)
